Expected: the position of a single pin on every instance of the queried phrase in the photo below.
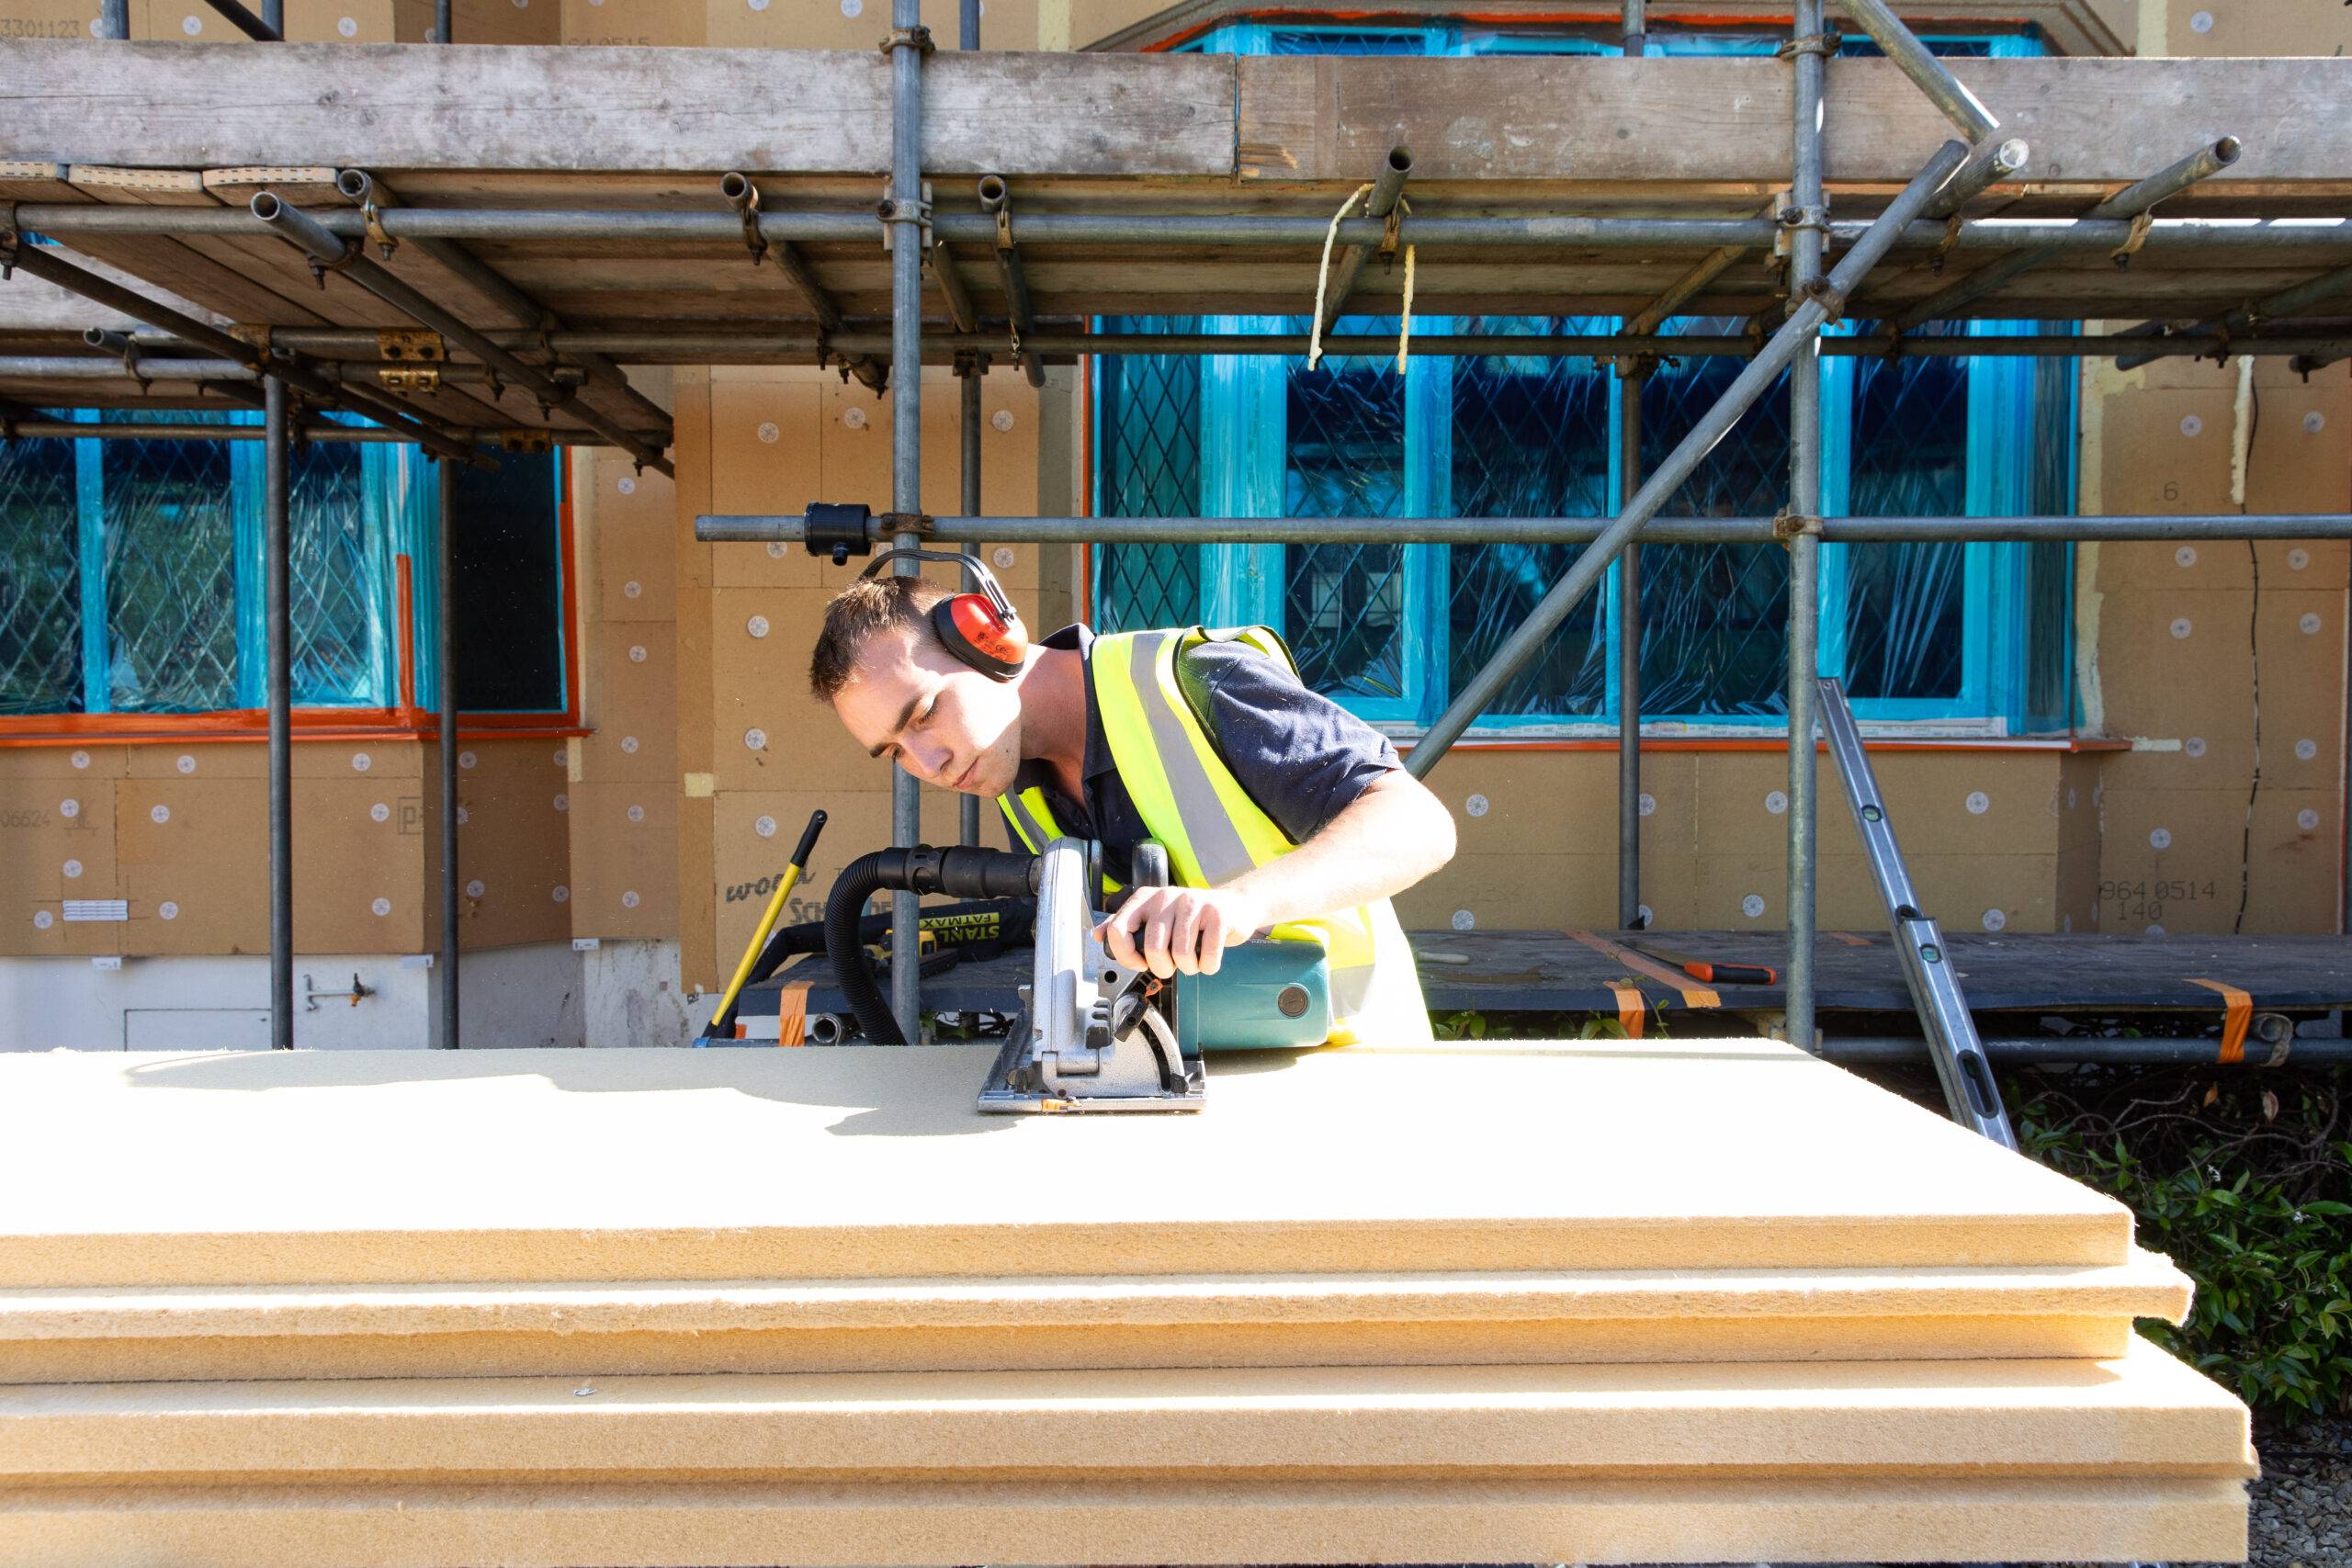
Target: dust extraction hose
(959, 872)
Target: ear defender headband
(981, 628)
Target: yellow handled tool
(725, 1016)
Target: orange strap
(2238, 1012)
(1693, 994)
(1632, 1007)
(792, 1014)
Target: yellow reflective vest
(1213, 831)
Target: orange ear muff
(991, 640)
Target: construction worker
(1282, 813)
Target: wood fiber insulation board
(1477, 1519)
(2143, 1411)
(866, 1164)
(924, 1325)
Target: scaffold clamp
(1788, 526)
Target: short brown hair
(866, 607)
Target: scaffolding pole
(276, 534)
(1633, 377)
(1785, 345)
(904, 217)
(967, 386)
(34, 259)
(446, 662)
(348, 347)
(2101, 231)
(1629, 663)
(306, 234)
(1807, 220)
(761, 528)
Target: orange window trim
(406, 721)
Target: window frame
(1242, 403)
(396, 478)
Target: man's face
(942, 721)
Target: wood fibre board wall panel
(875, 1164)
(57, 842)
(613, 1526)
(623, 857)
(1405, 1320)
(2136, 1413)
(1101, 1346)
(633, 684)
(512, 843)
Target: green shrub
(2245, 1179)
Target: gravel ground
(2302, 1505)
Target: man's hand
(1181, 930)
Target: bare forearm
(1389, 838)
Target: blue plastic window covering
(131, 572)
(1976, 633)
(40, 578)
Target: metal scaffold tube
(1810, 217)
(446, 664)
(48, 269)
(278, 682)
(1927, 73)
(967, 386)
(261, 29)
(354, 351)
(2097, 232)
(2132, 202)
(1794, 335)
(761, 528)
(1388, 190)
(996, 204)
(305, 233)
(904, 216)
(1629, 664)
(2287, 302)
(526, 312)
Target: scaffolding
(2251, 269)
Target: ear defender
(989, 639)
(981, 629)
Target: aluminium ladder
(1952, 1043)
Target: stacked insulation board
(1611, 1302)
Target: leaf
(2212, 1093)
(2270, 1106)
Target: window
(1973, 636)
(131, 575)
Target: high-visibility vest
(1213, 831)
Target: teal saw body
(1265, 996)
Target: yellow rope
(1405, 331)
(1323, 275)
(1323, 282)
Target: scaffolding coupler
(1961, 1065)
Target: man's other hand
(1181, 930)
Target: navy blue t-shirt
(1301, 757)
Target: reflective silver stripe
(1217, 843)
(1025, 824)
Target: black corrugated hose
(958, 872)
